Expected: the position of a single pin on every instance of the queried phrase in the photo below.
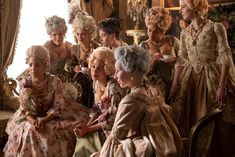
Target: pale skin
(84, 39)
(155, 36)
(127, 79)
(197, 20)
(109, 40)
(98, 74)
(59, 46)
(37, 71)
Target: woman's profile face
(186, 12)
(154, 32)
(57, 37)
(97, 70)
(82, 36)
(122, 77)
(36, 67)
(106, 39)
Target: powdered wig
(160, 17)
(39, 52)
(133, 59)
(106, 55)
(199, 6)
(55, 23)
(80, 19)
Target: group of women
(123, 100)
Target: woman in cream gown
(204, 73)
(143, 125)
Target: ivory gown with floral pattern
(57, 139)
(202, 59)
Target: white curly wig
(40, 52)
(55, 23)
(80, 19)
(133, 59)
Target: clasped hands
(82, 128)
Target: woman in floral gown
(204, 72)
(39, 127)
(108, 94)
(143, 126)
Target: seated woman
(36, 129)
(142, 126)
(109, 31)
(108, 94)
(162, 48)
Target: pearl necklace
(40, 85)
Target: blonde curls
(160, 17)
(199, 6)
(80, 19)
(107, 56)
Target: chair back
(202, 135)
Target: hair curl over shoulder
(199, 6)
(160, 17)
(110, 25)
(80, 19)
(133, 59)
(55, 23)
(106, 55)
(40, 52)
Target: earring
(132, 78)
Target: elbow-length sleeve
(115, 94)
(128, 119)
(182, 53)
(58, 102)
(223, 49)
(175, 46)
(25, 92)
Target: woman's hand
(81, 130)
(220, 96)
(103, 116)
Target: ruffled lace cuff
(225, 58)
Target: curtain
(10, 15)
